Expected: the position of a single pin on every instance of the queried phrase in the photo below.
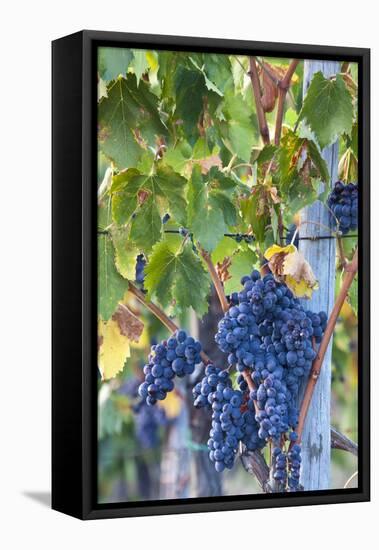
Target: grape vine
(194, 193)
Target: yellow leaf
(288, 265)
(299, 275)
(114, 349)
(299, 288)
(276, 249)
(152, 60)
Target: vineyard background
(172, 463)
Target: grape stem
(262, 122)
(342, 442)
(350, 270)
(224, 306)
(283, 86)
(159, 314)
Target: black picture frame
(74, 333)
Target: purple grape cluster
(279, 463)
(176, 356)
(343, 202)
(294, 463)
(233, 418)
(268, 333)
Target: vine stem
(159, 314)
(215, 279)
(341, 252)
(351, 269)
(262, 122)
(283, 86)
(224, 306)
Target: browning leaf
(222, 269)
(299, 275)
(288, 265)
(269, 87)
(207, 163)
(130, 326)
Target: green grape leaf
(327, 108)
(140, 63)
(243, 263)
(104, 213)
(241, 126)
(182, 157)
(113, 61)
(218, 70)
(175, 274)
(353, 295)
(166, 190)
(166, 73)
(179, 157)
(223, 202)
(209, 84)
(252, 216)
(111, 285)
(209, 211)
(124, 189)
(300, 160)
(146, 228)
(225, 248)
(354, 139)
(189, 90)
(266, 154)
(125, 252)
(128, 121)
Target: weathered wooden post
(175, 463)
(321, 254)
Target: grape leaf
(146, 228)
(181, 157)
(218, 70)
(251, 215)
(243, 263)
(128, 121)
(225, 248)
(288, 265)
(327, 108)
(209, 84)
(125, 252)
(294, 152)
(209, 211)
(113, 61)
(353, 295)
(111, 285)
(189, 90)
(166, 73)
(175, 273)
(266, 154)
(354, 139)
(114, 349)
(140, 63)
(162, 192)
(241, 127)
(104, 213)
(129, 324)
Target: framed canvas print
(210, 274)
